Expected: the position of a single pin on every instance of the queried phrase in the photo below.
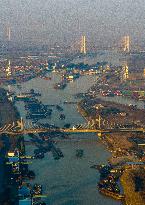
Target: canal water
(70, 180)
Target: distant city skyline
(65, 21)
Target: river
(111, 57)
(124, 101)
(70, 180)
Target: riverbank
(133, 196)
(8, 114)
(82, 112)
(122, 145)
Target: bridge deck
(38, 130)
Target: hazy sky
(65, 20)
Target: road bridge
(18, 128)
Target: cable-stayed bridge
(98, 125)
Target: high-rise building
(8, 69)
(83, 45)
(126, 43)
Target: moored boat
(62, 116)
(79, 152)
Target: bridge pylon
(83, 45)
(99, 121)
(20, 124)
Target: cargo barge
(60, 85)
